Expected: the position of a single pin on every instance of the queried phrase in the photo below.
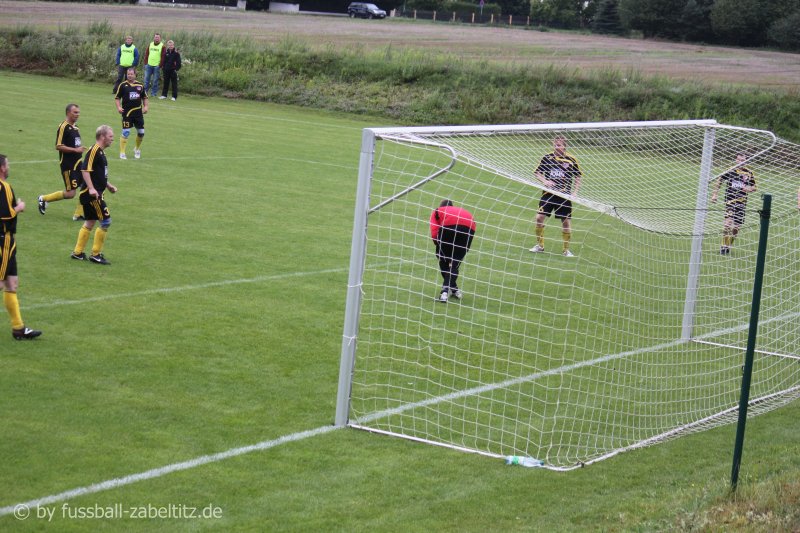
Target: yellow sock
(123, 143)
(566, 236)
(12, 306)
(99, 240)
(727, 240)
(78, 209)
(138, 141)
(540, 236)
(83, 238)
(53, 196)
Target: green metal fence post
(747, 373)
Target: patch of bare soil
(707, 64)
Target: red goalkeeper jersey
(450, 216)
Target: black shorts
(94, 209)
(8, 256)
(736, 212)
(135, 121)
(557, 205)
(73, 179)
(453, 242)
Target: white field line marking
(164, 470)
(166, 290)
(213, 157)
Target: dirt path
(710, 64)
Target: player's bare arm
(87, 178)
(546, 182)
(717, 183)
(69, 149)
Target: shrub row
(404, 86)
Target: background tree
(654, 18)
(606, 19)
(426, 5)
(739, 22)
(514, 7)
(785, 32)
(747, 22)
(333, 6)
(558, 13)
(696, 21)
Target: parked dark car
(365, 10)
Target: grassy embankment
(404, 86)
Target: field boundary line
(166, 290)
(164, 470)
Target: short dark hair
(70, 106)
(446, 203)
(3, 160)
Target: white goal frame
(363, 209)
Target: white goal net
(638, 338)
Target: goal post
(636, 339)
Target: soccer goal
(638, 338)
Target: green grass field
(218, 326)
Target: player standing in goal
(740, 182)
(559, 172)
(452, 230)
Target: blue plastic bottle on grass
(521, 460)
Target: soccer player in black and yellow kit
(131, 101)
(95, 182)
(68, 144)
(740, 182)
(559, 172)
(10, 207)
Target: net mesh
(634, 340)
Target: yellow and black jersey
(131, 96)
(69, 136)
(8, 213)
(561, 170)
(735, 183)
(96, 164)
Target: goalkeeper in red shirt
(452, 230)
